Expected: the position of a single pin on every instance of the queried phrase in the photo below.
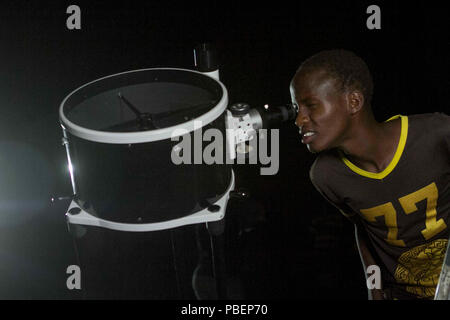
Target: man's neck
(372, 145)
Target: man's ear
(355, 101)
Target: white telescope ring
(144, 136)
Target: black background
(305, 249)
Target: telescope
(140, 222)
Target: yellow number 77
(408, 203)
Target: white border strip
(143, 136)
(443, 286)
(202, 216)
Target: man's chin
(316, 149)
(312, 149)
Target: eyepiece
(274, 116)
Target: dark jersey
(405, 208)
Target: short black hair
(345, 67)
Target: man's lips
(308, 136)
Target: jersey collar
(394, 161)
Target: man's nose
(302, 117)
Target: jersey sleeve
(317, 176)
(444, 123)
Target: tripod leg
(216, 232)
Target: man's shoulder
(327, 174)
(325, 163)
(429, 119)
(431, 127)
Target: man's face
(323, 116)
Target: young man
(392, 179)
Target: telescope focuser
(243, 122)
